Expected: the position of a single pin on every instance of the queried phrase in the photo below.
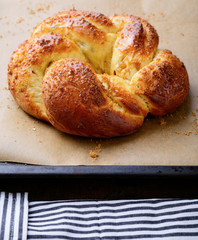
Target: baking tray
(170, 141)
(15, 170)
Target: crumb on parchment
(39, 9)
(193, 124)
(162, 122)
(162, 14)
(20, 20)
(95, 153)
(48, 7)
(31, 11)
(187, 133)
(193, 114)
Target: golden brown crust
(93, 16)
(135, 46)
(28, 65)
(77, 103)
(86, 24)
(163, 83)
(95, 76)
(81, 26)
(93, 33)
(120, 93)
(135, 33)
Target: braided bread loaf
(95, 76)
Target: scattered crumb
(150, 16)
(162, 122)
(162, 14)
(187, 133)
(15, 140)
(193, 114)
(194, 122)
(34, 129)
(48, 7)
(95, 153)
(40, 9)
(40, 141)
(31, 11)
(181, 34)
(20, 20)
(1, 36)
(8, 107)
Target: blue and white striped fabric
(13, 216)
(175, 219)
(120, 219)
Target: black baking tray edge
(12, 170)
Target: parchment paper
(171, 140)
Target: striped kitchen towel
(13, 216)
(120, 219)
(175, 219)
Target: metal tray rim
(21, 170)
